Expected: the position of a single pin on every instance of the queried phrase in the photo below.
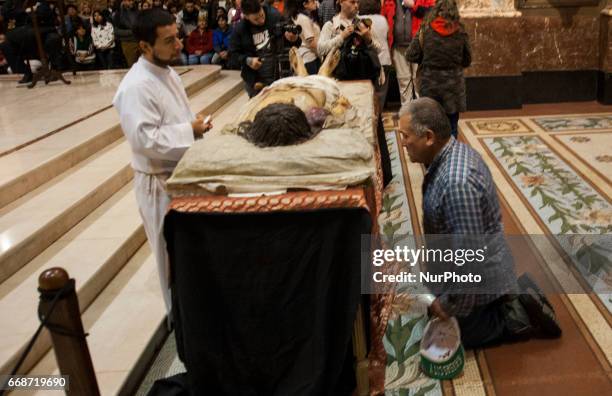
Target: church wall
(604, 82)
(536, 55)
(494, 78)
(560, 42)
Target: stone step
(29, 115)
(62, 202)
(196, 78)
(33, 222)
(126, 325)
(92, 252)
(228, 112)
(216, 95)
(49, 217)
(30, 166)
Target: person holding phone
(158, 123)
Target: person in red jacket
(419, 9)
(200, 44)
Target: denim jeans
(105, 58)
(204, 59)
(313, 67)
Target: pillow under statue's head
(280, 124)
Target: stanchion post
(69, 344)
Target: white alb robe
(156, 120)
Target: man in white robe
(158, 123)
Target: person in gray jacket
(404, 70)
(124, 19)
(441, 47)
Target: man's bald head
(427, 114)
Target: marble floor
(27, 115)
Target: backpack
(357, 61)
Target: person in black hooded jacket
(20, 42)
(256, 42)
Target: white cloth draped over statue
(341, 155)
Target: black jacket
(441, 61)
(15, 9)
(124, 20)
(242, 46)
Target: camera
(283, 67)
(291, 28)
(366, 21)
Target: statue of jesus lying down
(293, 110)
(275, 143)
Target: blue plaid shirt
(459, 197)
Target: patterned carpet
(406, 324)
(562, 178)
(553, 175)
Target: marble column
(494, 78)
(604, 83)
(535, 55)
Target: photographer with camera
(300, 12)
(257, 42)
(342, 26)
(358, 47)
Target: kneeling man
(459, 197)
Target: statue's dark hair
(277, 124)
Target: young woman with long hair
(301, 13)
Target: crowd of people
(101, 37)
(391, 35)
(372, 36)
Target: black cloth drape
(264, 304)
(385, 159)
